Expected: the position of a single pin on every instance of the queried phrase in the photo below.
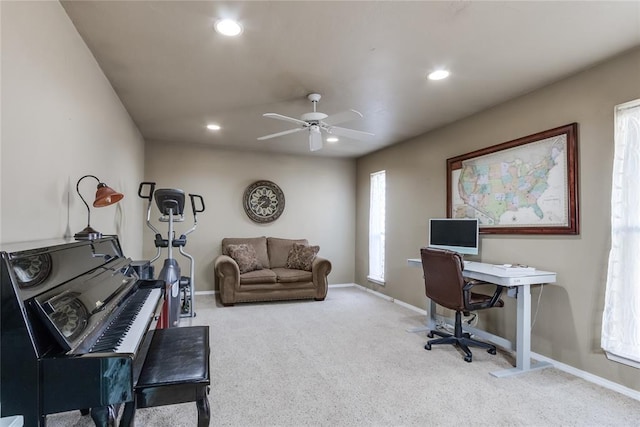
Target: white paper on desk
(515, 268)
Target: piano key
(126, 330)
(134, 335)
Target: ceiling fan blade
(350, 133)
(285, 118)
(274, 135)
(315, 140)
(342, 117)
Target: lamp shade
(106, 196)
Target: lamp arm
(82, 198)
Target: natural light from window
(621, 317)
(377, 208)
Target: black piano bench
(176, 370)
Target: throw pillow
(245, 256)
(301, 256)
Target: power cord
(473, 319)
(443, 326)
(535, 316)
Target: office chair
(445, 285)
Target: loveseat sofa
(268, 269)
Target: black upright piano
(74, 317)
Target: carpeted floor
(348, 361)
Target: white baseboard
(388, 298)
(342, 285)
(634, 394)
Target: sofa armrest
(228, 278)
(320, 269)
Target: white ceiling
(174, 74)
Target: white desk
(521, 283)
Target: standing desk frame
(520, 282)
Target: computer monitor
(456, 234)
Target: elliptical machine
(170, 202)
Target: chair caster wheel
(467, 359)
(427, 346)
(430, 334)
(491, 351)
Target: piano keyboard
(125, 332)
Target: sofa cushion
(287, 275)
(245, 256)
(257, 276)
(279, 250)
(301, 256)
(258, 243)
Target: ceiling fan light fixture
(438, 75)
(228, 27)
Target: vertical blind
(621, 317)
(376, 226)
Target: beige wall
(319, 202)
(569, 318)
(61, 120)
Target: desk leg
(430, 321)
(523, 337)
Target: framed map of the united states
(525, 186)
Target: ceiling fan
(316, 122)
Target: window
(376, 227)
(621, 317)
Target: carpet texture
(348, 361)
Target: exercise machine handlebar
(195, 210)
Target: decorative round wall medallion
(263, 201)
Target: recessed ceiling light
(332, 139)
(438, 75)
(228, 27)
(213, 126)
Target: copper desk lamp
(105, 196)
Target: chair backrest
(443, 281)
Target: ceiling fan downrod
(314, 98)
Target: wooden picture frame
(525, 186)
